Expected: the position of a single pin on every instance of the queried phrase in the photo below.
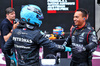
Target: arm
(9, 44)
(91, 46)
(6, 37)
(92, 42)
(48, 43)
(67, 41)
(6, 32)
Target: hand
(67, 49)
(78, 49)
(12, 57)
(11, 31)
(15, 25)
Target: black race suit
(27, 43)
(82, 37)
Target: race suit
(27, 43)
(82, 37)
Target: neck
(81, 25)
(9, 19)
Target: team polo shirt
(5, 28)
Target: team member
(82, 40)
(27, 38)
(6, 30)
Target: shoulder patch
(89, 28)
(94, 33)
(82, 34)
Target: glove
(12, 57)
(67, 49)
(78, 49)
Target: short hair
(84, 11)
(9, 10)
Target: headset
(83, 18)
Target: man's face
(11, 15)
(78, 18)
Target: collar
(9, 21)
(81, 27)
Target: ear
(6, 14)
